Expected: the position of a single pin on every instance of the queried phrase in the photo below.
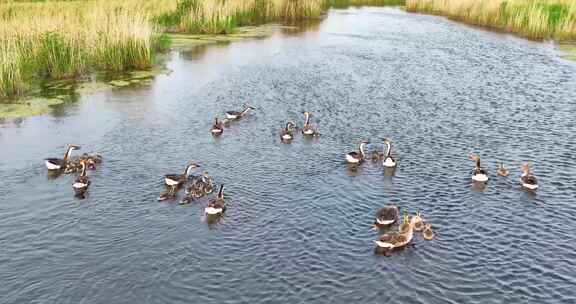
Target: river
(297, 228)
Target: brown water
(297, 225)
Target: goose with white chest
(480, 175)
(235, 115)
(176, 180)
(389, 161)
(217, 206)
(287, 134)
(60, 163)
(308, 129)
(82, 182)
(357, 157)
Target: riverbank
(542, 19)
(41, 42)
(47, 40)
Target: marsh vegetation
(536, 19)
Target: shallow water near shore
(297, 228)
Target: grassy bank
(66, 39)
(43, 40)
(536, 19)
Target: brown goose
(57, 163)
(234, 115)
(528, 180)
(216, 206)
(357, 157)
(386, 216)
(217, 127)
(287, 134)
(308, 128)
(82, 182)
(176, 180)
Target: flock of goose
(395, 235)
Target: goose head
(189, 168)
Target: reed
(537, 19)
(66, 39)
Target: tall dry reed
(536, 19)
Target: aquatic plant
(537, 19)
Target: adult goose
(287, 134)
(528, 180)
(357, 157)
(308, 128)
(217, 127)
(389, 161)
(60, 163)
(479, 175)
(216, 206)
(82, 182)
(234, 115)
(395, 240)
(176, 180)
(386, 217)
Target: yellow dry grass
(537, 19)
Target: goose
(170, 193)
(216, 206)
(528, 180)
(57, 163)
(428, 234)
(502, 171)
(389, 161)
(405, 224)
(82, 182)
(287, 133)
(234, 115)
(308, 128)
(480, 175)
(386, 216)
(418, 222)
(395, 240)
(217, 128)
(176, 180)
(357, 157)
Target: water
(297, 229)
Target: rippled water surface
(297, 229)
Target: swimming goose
(287, 133)
(169, 193)
(234, 115)
(479, 175)
(502, 171)
(357, 157)
(403, 228)
(217, 206)
(395, 240)
(428, 234)
(217, 128)
(308, 128)
(528, 180)
(418, 222)
(389, 161)
(82, 182)
(176, 180)
(57, 163)
(386, 216)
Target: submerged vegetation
(537, 19)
